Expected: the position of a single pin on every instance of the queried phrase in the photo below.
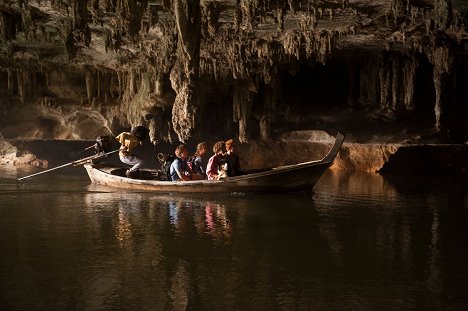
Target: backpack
(166, 161)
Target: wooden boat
(302, 176)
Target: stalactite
(11, 81)
(410, 67)
(185, 73)
(280, 13)
(265, 128)
(442, 60)
(70, 47)
(269, 107)
(292, 43)
(385, 82)
(131, 13)
(25, 86)
(438, 85)
(89, 86)
(211, 11)
(106, 78)
(443, 13)
(242, 107)
(248, 8)
(395, 81)
(188, 22)
(369, 77)
(237, 16)
(158, 42)
(28, 23)
(414, 15)
(80, 20)
(398, 9)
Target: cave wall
(246, 69)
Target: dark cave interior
(330, 97)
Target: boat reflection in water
(161, 240)
(358, 241)
(292, 251)
(178, 214)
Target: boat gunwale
(272, 171)
(325, 161)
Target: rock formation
(252, 69)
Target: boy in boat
(180, 170)
(219, 149)
(128, 142)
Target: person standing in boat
(219, 150)
(128, 142)
(179, 170)
(232, 158)
(199, 161)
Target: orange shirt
(128, 143)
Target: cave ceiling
(109, 64)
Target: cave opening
(457, 99)
(217, 119)
(424, 91)
(311, 95)
(317, 96)
(315, 87)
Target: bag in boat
(166, 161)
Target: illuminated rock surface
(383, 72)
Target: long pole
(75, 163)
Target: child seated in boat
(219, 149)
(179, 169)
(199, 162)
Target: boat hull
(276, 181)
(302, 176)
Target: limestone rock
(222, 68)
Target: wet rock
(250, 69)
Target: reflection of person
(174, 213)
(199, 161)
(232, 158)
(129, 141)
(219, 149)
(179, 169)
(217, 222)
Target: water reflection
(354, 227)
(183, 214)
(358, 241)
(200, 248)
(217, 222)
(400, 221)
(179, 287)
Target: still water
(357, 242)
